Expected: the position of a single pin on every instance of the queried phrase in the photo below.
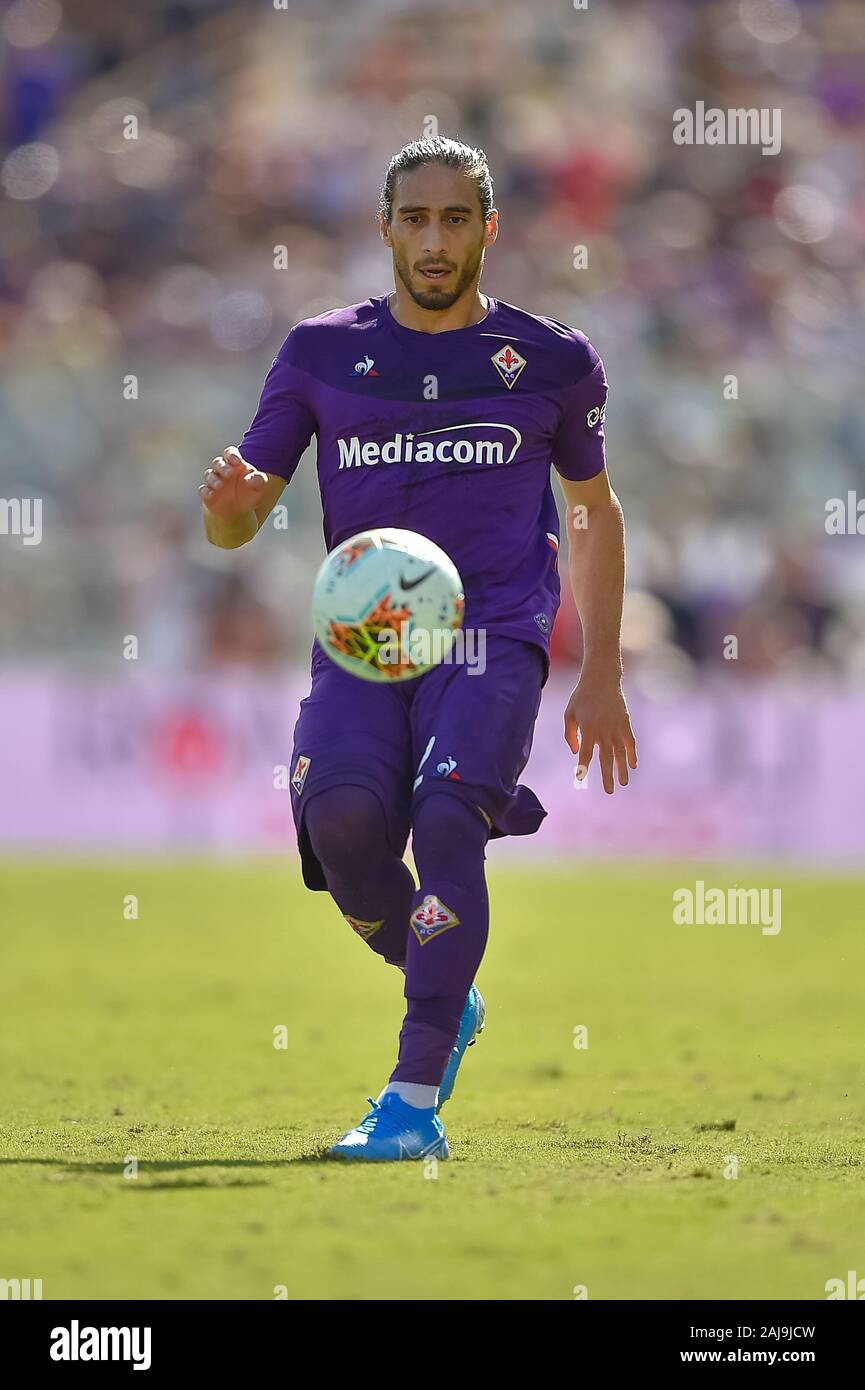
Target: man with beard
(439, 410)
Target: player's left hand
(597, 715)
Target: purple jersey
(449, 434)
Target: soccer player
(487, 397)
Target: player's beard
(434, 298)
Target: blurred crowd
(155, 155)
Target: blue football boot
(471, 1025)
(391, 1131)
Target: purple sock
(370, 884)
(449, 924)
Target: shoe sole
(440, 1151)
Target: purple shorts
(449, 730)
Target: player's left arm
(596, 713)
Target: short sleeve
(578, 444)
(283, 424)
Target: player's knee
(445, 824)
(346, 827)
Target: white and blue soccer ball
(387, 605)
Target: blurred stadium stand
(261, 127)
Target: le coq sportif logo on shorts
(476, 442)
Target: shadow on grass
(173, 1165)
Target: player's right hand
(231, 486)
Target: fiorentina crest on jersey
(430, 918)
(508, 364)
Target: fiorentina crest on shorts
(364, 929)
(430, 918)
(508, 364)
(298, 777)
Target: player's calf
(449, 922)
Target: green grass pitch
(600, 1167)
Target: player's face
(437, 234)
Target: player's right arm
(238, 495)
(236, 499)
